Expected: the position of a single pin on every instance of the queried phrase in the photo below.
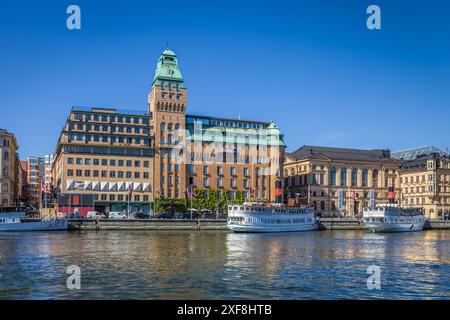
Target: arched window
(169, 127)
(332, 177)
(6, 155)
(177, 126)
(354, 176)
(343, 176)
(364, 177)
(163, 126)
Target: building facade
(340, 181)
(102, 154)
(35, 176)
(9, 170)
(425, 181)
(127, 159)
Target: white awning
(95, 185)
(137, 187)
(88, 185)
(70, 184)
(79, 185)
(121, 186)
(146, 187)
(104, 186)
(113, 186)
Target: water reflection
(223, 265)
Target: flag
(252, 191)
(130, 189)
(309, 194)
(160, 192)
(190, 191)
(44, 188)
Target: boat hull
(45, 225)
(248, 228)
(394, 227)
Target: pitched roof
(375, 155)
(415, 153)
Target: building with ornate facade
(425, 180)
(9, 170)
(109, 158)
(341, 181)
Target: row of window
(232, 171)
(106, 128)
(111, 118)
(121, 197)
(107, 139)
(110, 162)
(117, 151)
(106, 174)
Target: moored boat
(249, 217)
(391, 218)
(14, 221)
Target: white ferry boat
(256, 218)
(391, 218)
(12, 221)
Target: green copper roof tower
(167, 69)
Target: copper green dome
(167, 69)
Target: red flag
(130, 189)
(44, 188)
(252, 191)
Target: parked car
(165, 215)
(117, 215)
(95, 215)
(74, 216)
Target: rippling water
(223, 265)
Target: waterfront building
(112, 154)
(339, 180)
(209, 152)
(35, 176)
(102, 157)
(425, 180)
(23, 168)
(9, 169)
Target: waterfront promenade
(214, 224)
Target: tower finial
(167, 44)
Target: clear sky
(312, 66)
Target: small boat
(14, 221)
(391, 218)
(250, 217)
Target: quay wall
(435, 224)
(148, 224)
(215, 224)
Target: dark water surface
(223, 265)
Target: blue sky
(312, 66)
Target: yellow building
(104, 155)
(9, 170)
(425, 180)
(340, 181)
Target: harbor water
(224, 265)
